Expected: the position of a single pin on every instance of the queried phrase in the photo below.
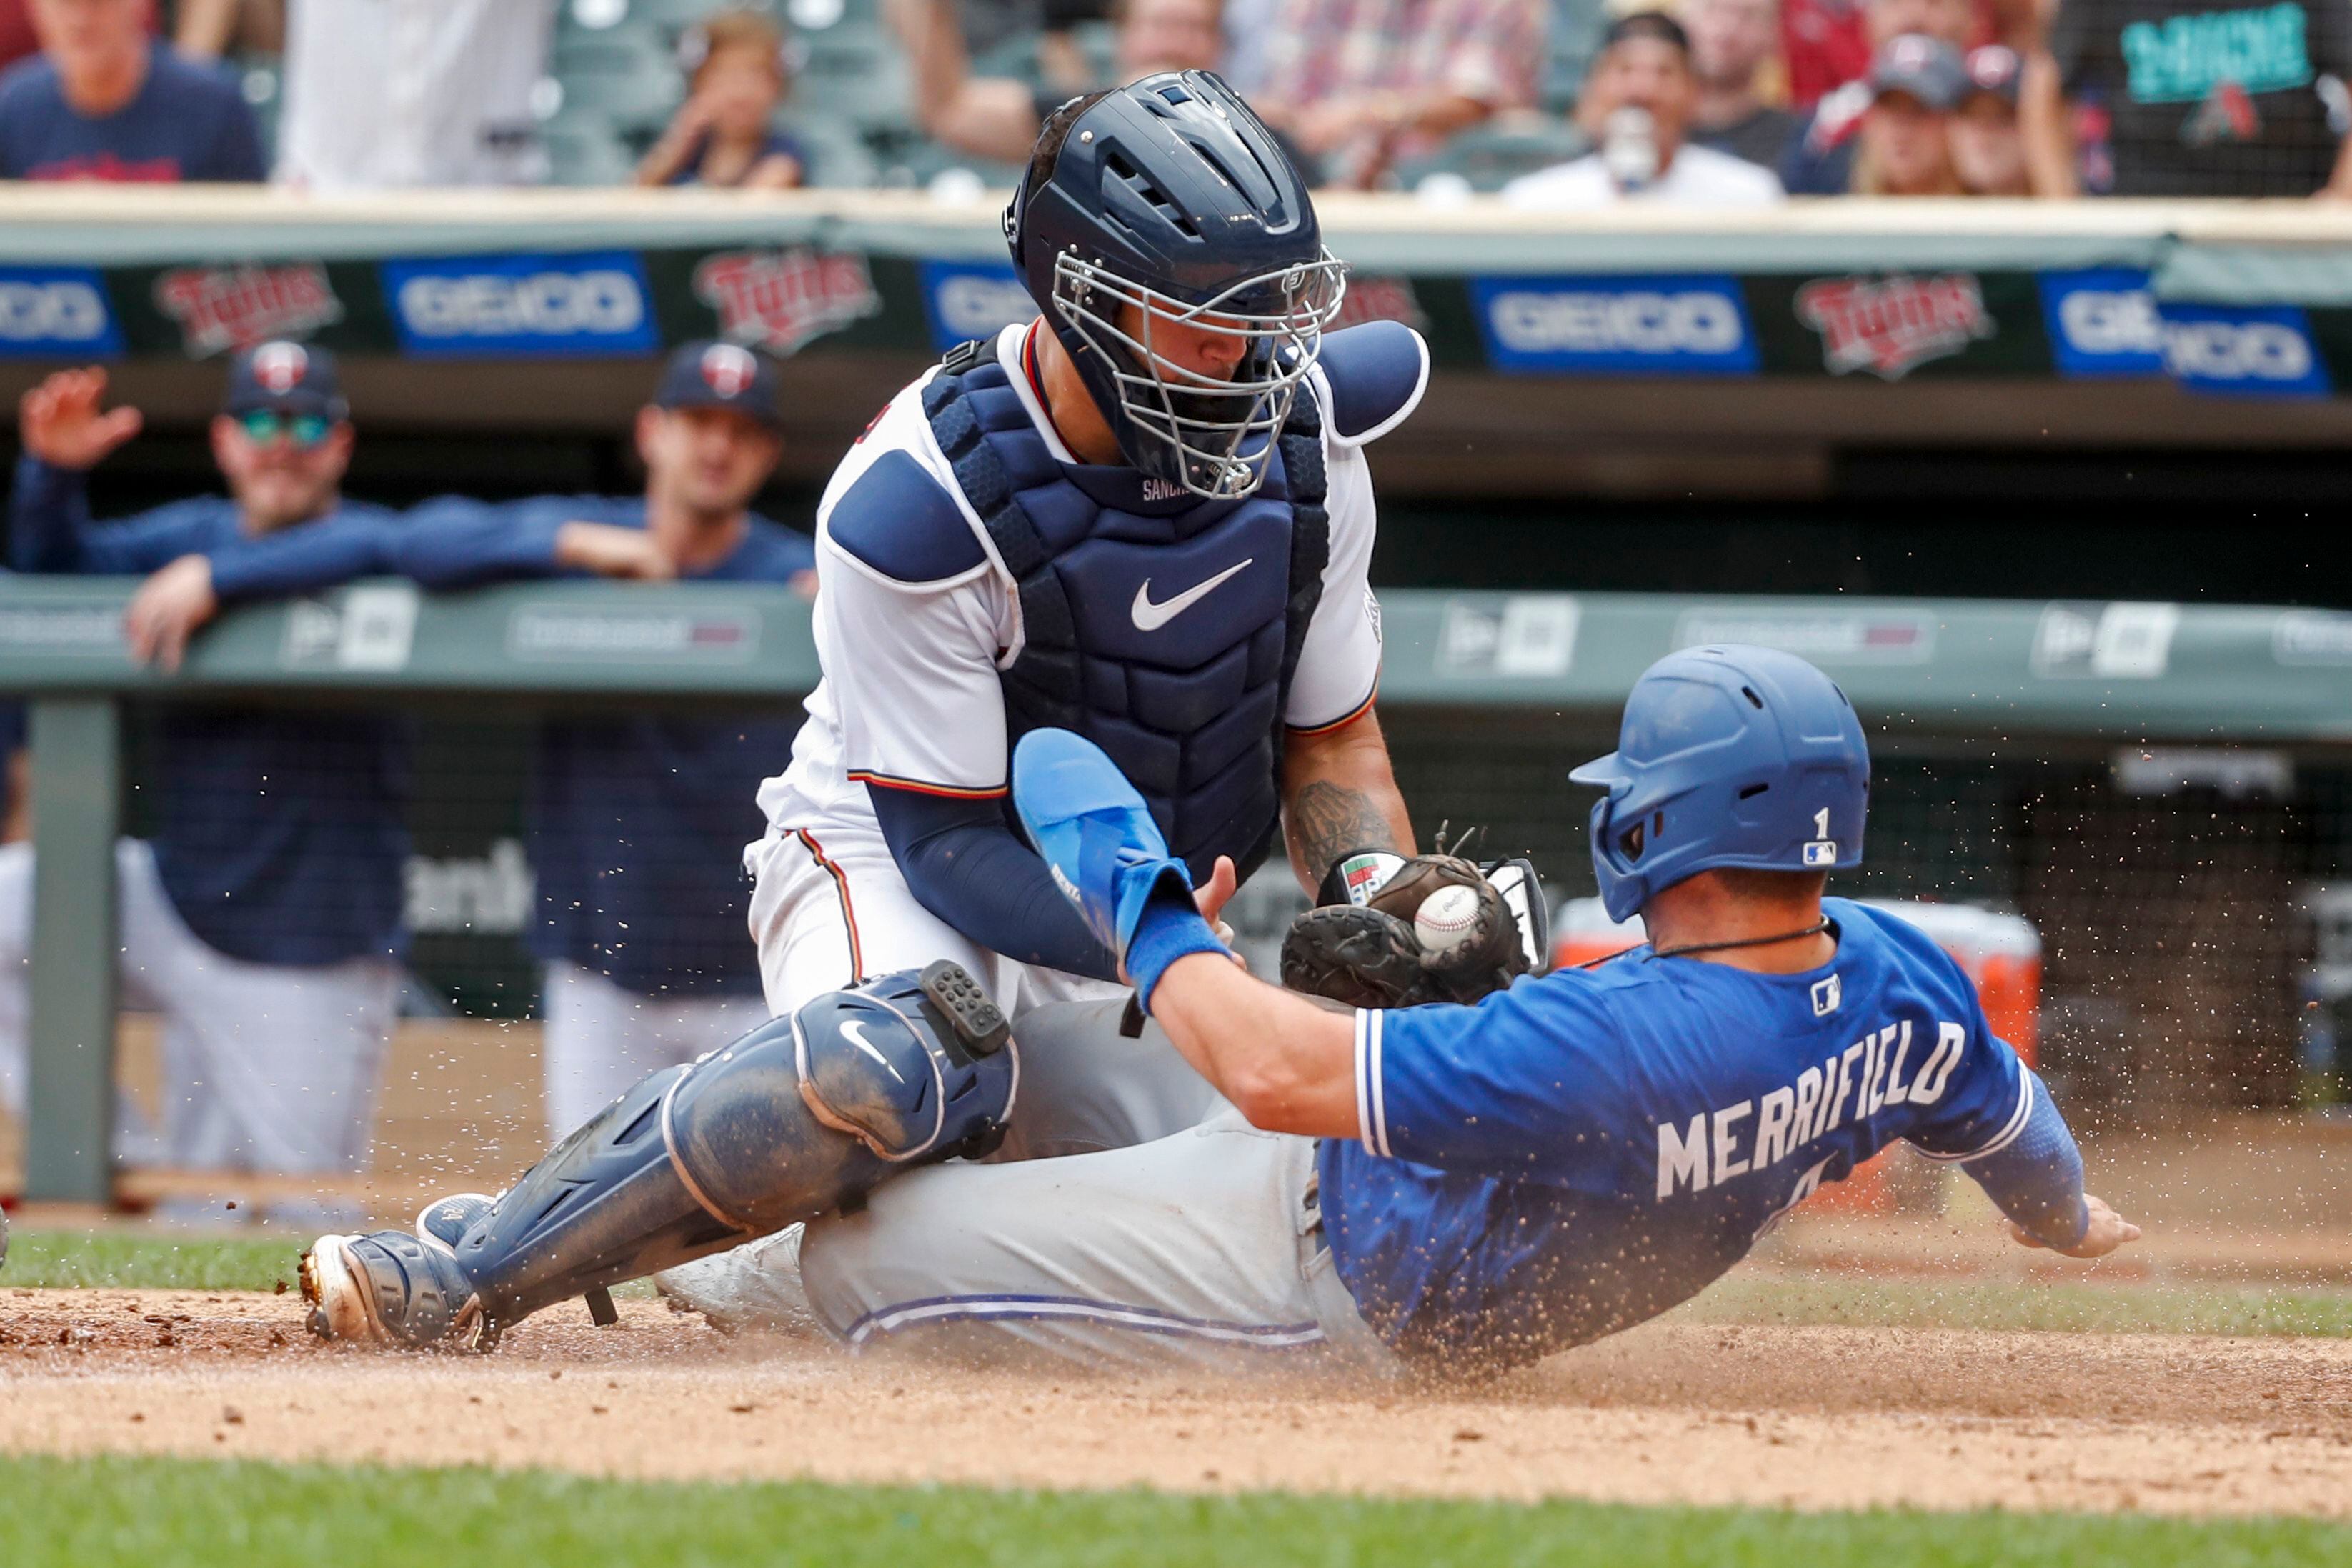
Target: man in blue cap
(637, 822)
(263, 919)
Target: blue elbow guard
(2037, 1177)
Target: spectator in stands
(1360, 85)
(637, 822)
(106, 101)
(424, 92)
(1733, 45)
(1905, 148)
(2199, 97)
(998, 118)
(1820, 158)
(1988, 147)
(1638, 100)
(18, 38)
(264, 918)
(725, 133)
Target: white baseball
(1445, 920)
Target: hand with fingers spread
(62, 424)
(2107, 1231)
(168, 610)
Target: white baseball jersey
(394, 94)
(911, 692)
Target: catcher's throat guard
(799, 1118)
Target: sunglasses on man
(264, 425)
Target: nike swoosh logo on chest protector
(1151, 617)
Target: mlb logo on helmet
(727, 369)
(280, 367)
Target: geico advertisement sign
(520, 305)
(964, 300)
(2250, 351)
(1621, 325)
(48, 312)
(2102, 323)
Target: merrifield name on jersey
(1868, 1076)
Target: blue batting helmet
(1728, 756)
(1171, 196)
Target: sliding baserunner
(1448, 1188)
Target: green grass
(165, 1513)
(2124, 1307)
(125, 1260)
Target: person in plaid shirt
(1362, 84)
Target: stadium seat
(1571, 35)
(587, 155)
(1492, 155)
(838, 158)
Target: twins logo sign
(1615, 325)
(1891, 326)
(56, 312)
(526, 306)
(223, 309)
(780, 300)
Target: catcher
(1443, 1190)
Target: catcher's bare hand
(168, 610)
(60, 421)
(2107, 1231)
(1212, 898)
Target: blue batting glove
(1093, 832)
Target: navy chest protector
(1164, 628)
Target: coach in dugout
(263, 920)
(638, 822)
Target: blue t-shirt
(186, 122)
(1585, 1150)
(689, 173)
(281, 836)
(637, 822)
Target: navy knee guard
(798, 1118)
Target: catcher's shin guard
(798, 1118)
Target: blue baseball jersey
(280, 836)
(1585, 1150)
(637, 822)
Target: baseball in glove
(1367, 953)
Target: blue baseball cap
(709, 374)
(287, 378)
(1727, 756)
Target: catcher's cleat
(444, 1222)
(391, 1288)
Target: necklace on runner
(1820, 927)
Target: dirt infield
(1809, 1417)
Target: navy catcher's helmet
(1169, 196)
(1728, 756)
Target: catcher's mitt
(1368, 955)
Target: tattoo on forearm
(1327, 820)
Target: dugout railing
(1633, 351)
(1986, 716)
